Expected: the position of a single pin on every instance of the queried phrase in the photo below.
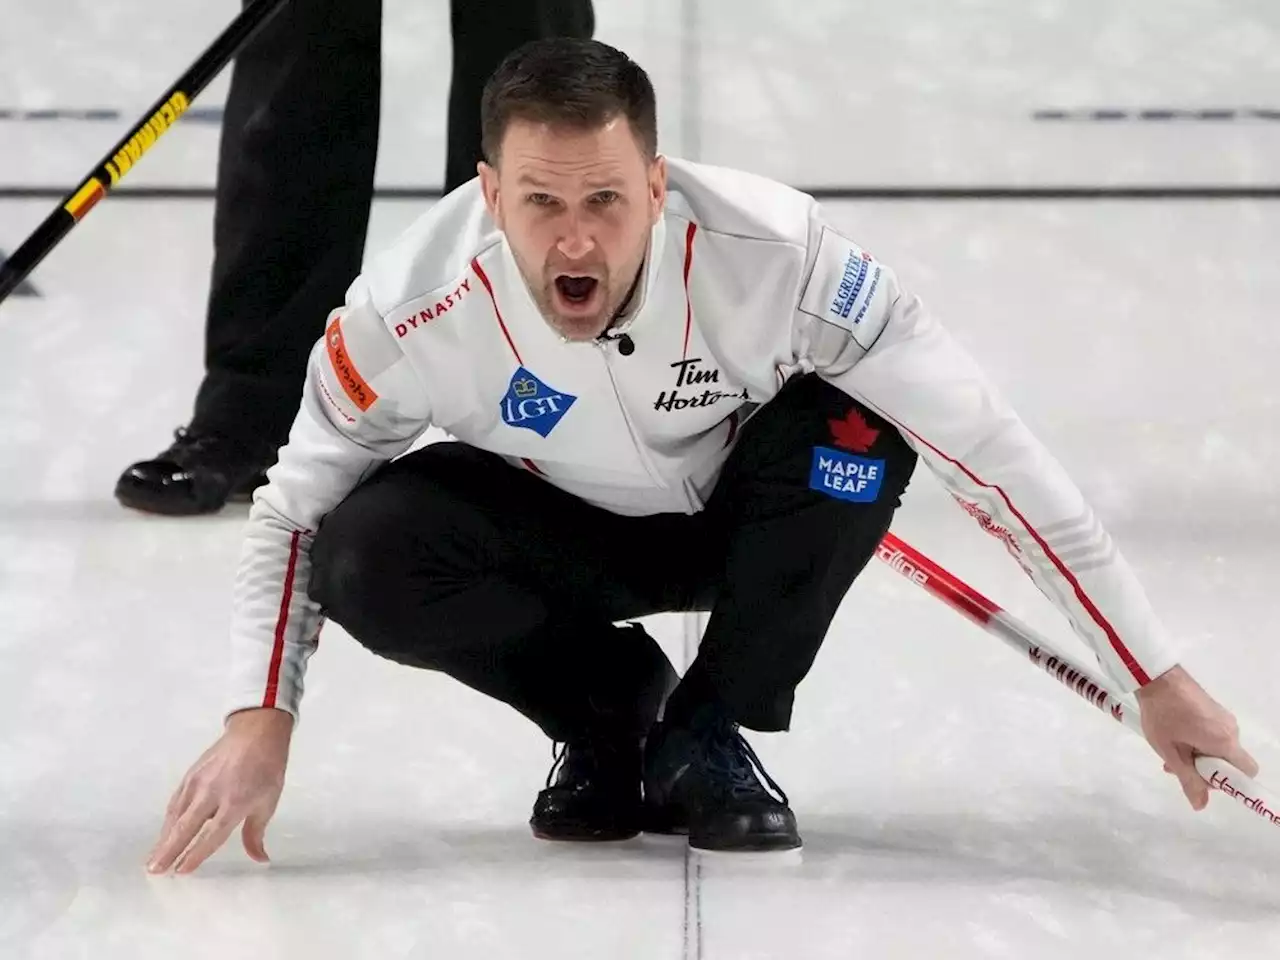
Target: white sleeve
(362, 404)
(879, 344)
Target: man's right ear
(489, 185)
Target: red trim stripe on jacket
(484, 278)
(1124, 653)
(688, 305)
(282, 623)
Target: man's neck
(625, 307)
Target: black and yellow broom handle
(124, 155)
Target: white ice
(954, 802)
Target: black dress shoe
(593, 790)
(592, 793)
(199, 473)
(700, 779)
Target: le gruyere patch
(847, 289)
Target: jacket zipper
(626, 418)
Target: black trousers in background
(295, 180)
(450, 559)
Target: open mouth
(576, 291)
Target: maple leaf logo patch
(853, 433)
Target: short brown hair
(580, 84)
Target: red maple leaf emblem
(853, 433)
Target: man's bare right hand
(1181, 722)
(237, 780)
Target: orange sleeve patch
(354, 385)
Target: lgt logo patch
(532, 405)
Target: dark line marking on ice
(697, 886)
(203, 115)
(1189, 192)
(214, 115)
(1159, 115)
(692, 927)
(693, 624)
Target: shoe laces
(585, 756)
(729, 754)
(187, 441)
(588, 755)
(558, 751)
(192, 447)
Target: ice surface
(954, 802)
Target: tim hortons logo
(425, 316)
(1256, 804)
(1072, 679)
(688, 373)
(898, 561)
(990, 526)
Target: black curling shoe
(199, 473)
(700, 779)
(592, 793)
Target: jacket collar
(649, 274)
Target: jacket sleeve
(362, 404)
(868, 336)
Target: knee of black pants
(352, 578)
(345, 560)
(382, 556)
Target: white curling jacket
(746, 284)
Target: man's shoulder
(433, 252)
(731, 203)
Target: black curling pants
(452, 560)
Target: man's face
(576, 207)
